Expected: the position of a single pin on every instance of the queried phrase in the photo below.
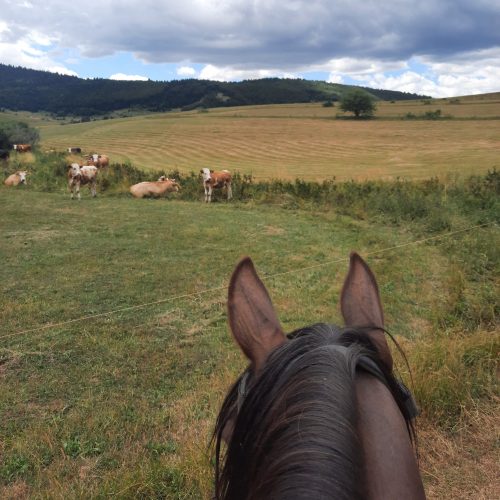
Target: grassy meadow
(114, 348)
(300, 140)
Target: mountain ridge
(23, 89)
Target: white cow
(78, 175)
(213, 180)
(154, 189)
(15, 179)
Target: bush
(17, 133)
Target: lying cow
(74, 150)
(15, 179)
(99, 161)
(22, 148)
(214, 180)
(81, 175)
(154, 189)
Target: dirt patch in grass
(464, 464)
(273, 231)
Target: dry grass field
(300, 140)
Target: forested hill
(24, 89)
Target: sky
(440, 48)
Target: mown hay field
(300, 140)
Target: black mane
(296, 435)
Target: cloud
(236, 39)
(186, 71)
(264, 33)
(122, 76)
(24, 52)
(229, 74)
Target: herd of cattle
(87, 174)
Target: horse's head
(299, 421)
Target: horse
(318, 413)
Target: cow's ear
(361, 306)
(252, 319)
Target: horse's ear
(361, 306)
(252, 318)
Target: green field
(114, 348)
(299, 140)
(119, 396)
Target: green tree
(359, 102)
(17, 133)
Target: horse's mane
(296, 434)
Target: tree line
(24, 89)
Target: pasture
(118, 397)
(300, 140)
(114, 349)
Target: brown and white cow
(99, 161)
(15, 179)
(154, 189)
(80, 175)
(22, 148)
(215, 180)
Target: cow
(99, 161)
(74, 150)
(214, 180)
(4, 154)
(80, 175)
(15, 179)
(22, 148)
(154, 189)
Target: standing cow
(215, 180)
(15, 179)
(99, 161)
(81, 175)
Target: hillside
(24, 89)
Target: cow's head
(22, 176)
(175, 185)
(74, 169)
(206, 173)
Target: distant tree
(358, 102)
(13, 132)
(21, 133)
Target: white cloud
(457, 42)
(335, 78)
(408, 81)
(122, 76)
(231, 74)
(186, 71)
(22, 53)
